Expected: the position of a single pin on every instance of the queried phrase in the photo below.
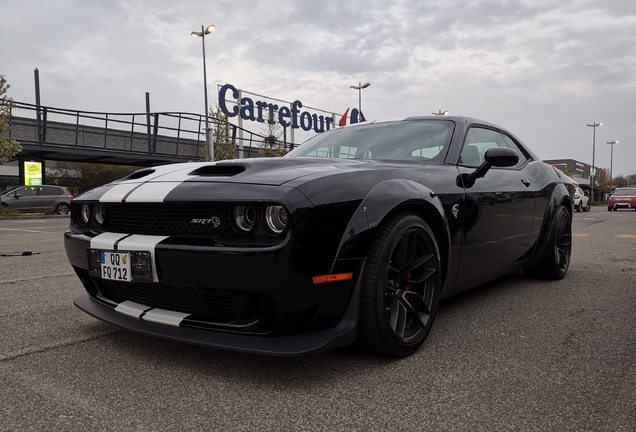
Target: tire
(577, 207)
(555, 261)
(588, 207)
(62, 209)
(400, 287)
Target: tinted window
(625, 191)
(479, 140)
(43, 190)
(26, 191)
(403, 140)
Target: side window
(513, 145)
(477, 141)
(26, 191)
(48, 190)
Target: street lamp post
(611, 156)
(593, 176)
(445, 112)
(359, 87)
(209, 145)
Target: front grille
(220, 306)
(168, 219)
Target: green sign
(32, 173)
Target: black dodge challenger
(352, 238)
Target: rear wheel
(577, 207)
(62, 209)
(555, 261)
(400, 287)
(587, 207)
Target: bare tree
(9, 147)
(272, 145)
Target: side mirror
(496, 156)
(17, 195)
(501, 156)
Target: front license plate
(115, 266)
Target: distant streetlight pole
(611, 156)
(445, 112)
(359, 88)
(209, 145)
(593, 176)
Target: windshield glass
(400, 140)
(625, 191)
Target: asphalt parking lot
(516, 354)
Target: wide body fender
(387, 198)
(561, 194)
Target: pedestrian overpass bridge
(137, 139)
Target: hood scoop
(218, 170)
(139, 174)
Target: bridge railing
(180, 135)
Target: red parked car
(622, 198)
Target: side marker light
(339, 277)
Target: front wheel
(400, 287)
(555, 261)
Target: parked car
(38, 198)
(353, 237)
(622, 198)
(581, 200)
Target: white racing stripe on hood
(131, 308)
(118, 192)
(106, 240)
(163, 316)
(152, 192)
(143, 243)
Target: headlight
(99, 213)
(85, 214)
(244, 218)
(276, 218)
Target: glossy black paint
(494, 225)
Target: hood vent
(139, 174)
(219, 170)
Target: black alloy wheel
(400, 287)
(555, 261)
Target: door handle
(525, 182)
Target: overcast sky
(542, 69)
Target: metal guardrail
(170, 134)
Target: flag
(343, 119)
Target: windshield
(625, 191)
(400, 140)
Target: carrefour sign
(262, 110)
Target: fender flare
(389, 197)
(559, 196)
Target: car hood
(266, 171)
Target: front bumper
(292, 345)
(621, 205)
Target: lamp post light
(359, 87)
(445, 112)
(611, 156)
(209, 145)
(593, 176)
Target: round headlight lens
(99, 213)
(244, 218)
(276, 218)
(85, 214)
